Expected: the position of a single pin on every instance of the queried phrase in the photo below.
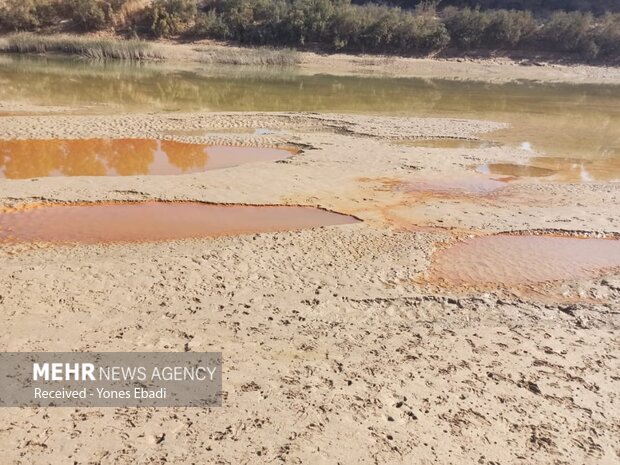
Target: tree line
(404, 27)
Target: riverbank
(494, 70)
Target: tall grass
(92, 48)
(262, 56)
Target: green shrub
(262, 22)
(345, 26)
(309, 20)
(607, 36)
(26, 15)
(508, 27)
(421, 34)
(381, 26)
(170, 17)
(570, 32)
(87, 15)
(466, 27)
(380, 29)
(249, 21)
(210, 25)
(489, 29)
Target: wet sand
(338, 347)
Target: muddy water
(511, 169)
(155, 221)
(21, 159)
(514, 260)
(561, 121)
(159, 87)
(557, 169)
(453, 186)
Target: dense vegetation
(415, 27)
(597, 7)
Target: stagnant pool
(513, 260)
(21, 159)
(91, 223)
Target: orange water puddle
(522, 260)
(23, 159)
(90, 223)
(477, 185)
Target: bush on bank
(474, 28)
(334, 25)
(331, 24)
(169, 17)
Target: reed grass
(262, 56)
(92, 48)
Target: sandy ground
(336, 348)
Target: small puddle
(23, 159)
(514, 260)
(90, 223)
(558, 169)
(476, 185)
(449, 143)
(511, 169)
(580, 170)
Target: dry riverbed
(341, 344)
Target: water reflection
(557, 120)
(512, 169)
(21, 159)
(574, 170)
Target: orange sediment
(155, 221)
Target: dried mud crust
(333, 353)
